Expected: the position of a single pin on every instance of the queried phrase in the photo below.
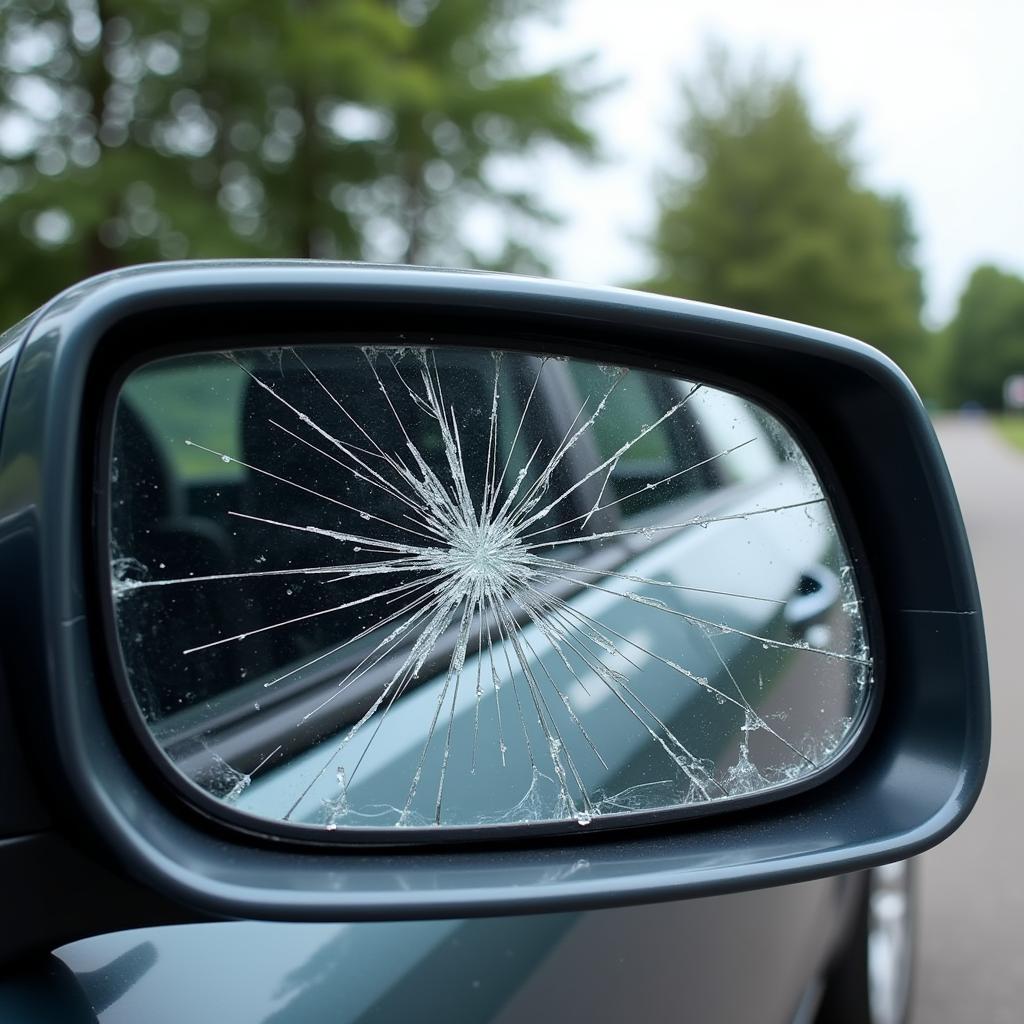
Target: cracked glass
(400, 586)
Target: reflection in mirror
(396, 586)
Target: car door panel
(744, 956)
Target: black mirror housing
(83, 793)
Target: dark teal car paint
(702, 960)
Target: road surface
(971, 967)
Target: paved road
(972, 920)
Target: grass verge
(1011, 426)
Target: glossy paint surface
(748, 956)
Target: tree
(134, 130)
(986, 337)
(144, 135)
(769, 215)
(470, 117)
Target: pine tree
(769, 215)
(135, 130)
(986, 337)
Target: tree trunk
(98, 255)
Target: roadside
(1011, 427)
(972, 908)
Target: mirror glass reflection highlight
(394, 586)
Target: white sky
(937, 89)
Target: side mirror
(350, 592)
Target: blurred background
(855, 170)
(854, 167)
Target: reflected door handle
(817, 593)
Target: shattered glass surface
(391, 586)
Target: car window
(667, 464)
(728, 422)
(215, 465)
(168, 413)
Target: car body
(819, 943)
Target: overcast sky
(936, 87)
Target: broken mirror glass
(401, 587)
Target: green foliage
(932, 376)
(460, 110)
(986, 337)
(1011, 427)
(768, 215)
(135, 130)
